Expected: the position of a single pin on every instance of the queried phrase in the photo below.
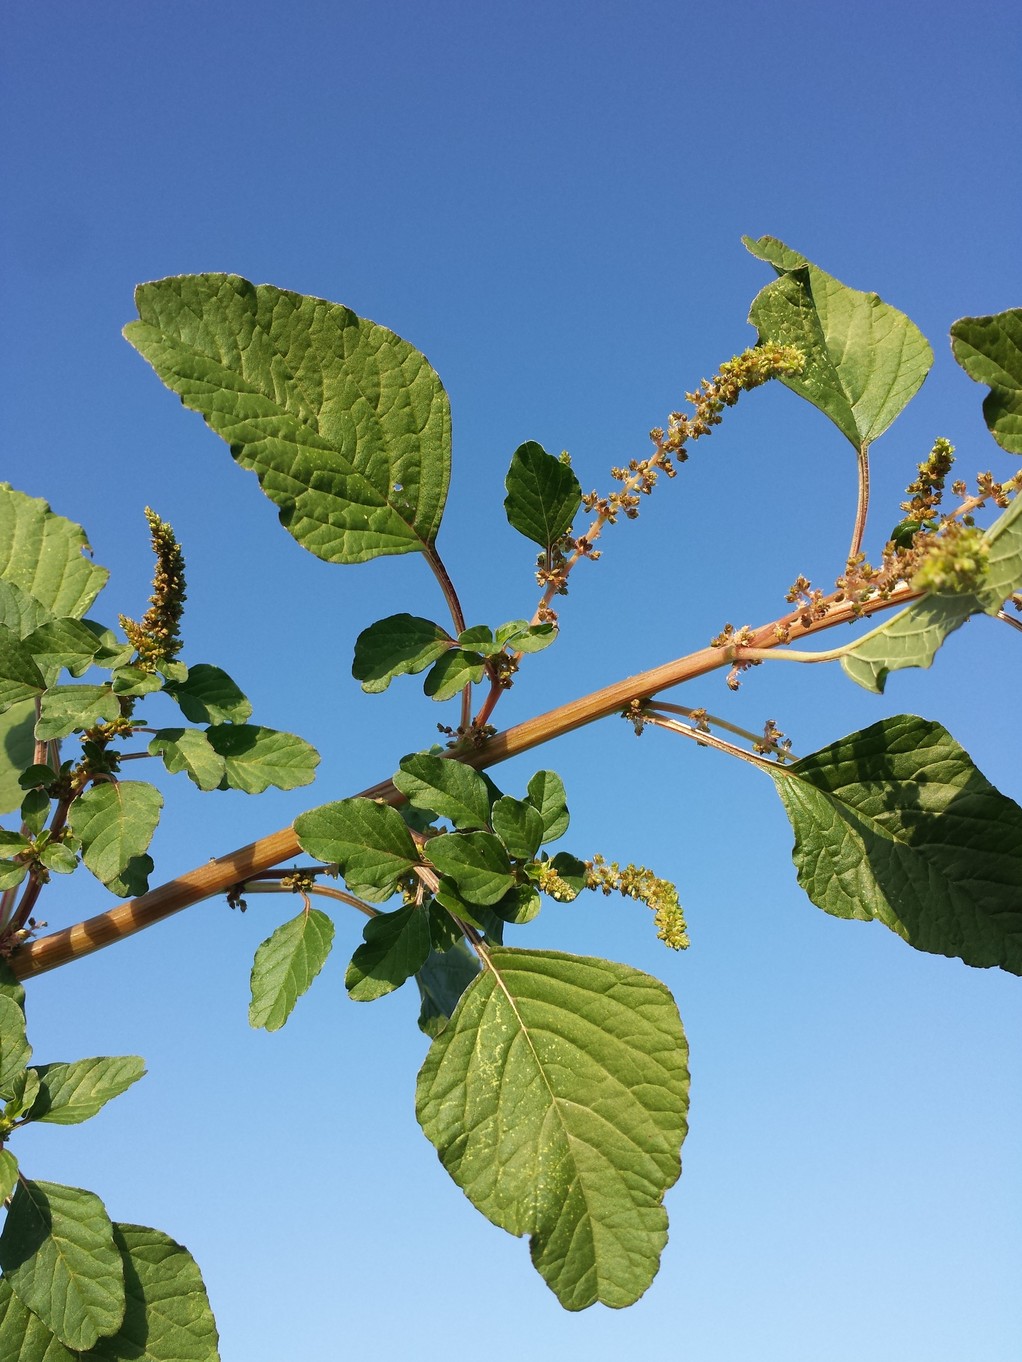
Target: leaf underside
(556, 1099)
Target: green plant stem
(221, 873)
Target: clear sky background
(548, 200)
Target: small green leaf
(449, 898)
(20, 678)
(896, 824)
(519, 825)
(133, 879)
(989, 349)
(8, 1178)
(452, 672)
(396, 646)
(35, 809)
(523, 637)
(546, 792)
(519, 905)
(911, 638)
(396, 947)
(475, 861)
(256, 758)
(17, 749)
(115, 822)
(347, 426)
(209, 696)
(189, 750)
(58, 858)
(369, 842)
(67, 709)
(15, 1051)
(72, 1093)
(865, 360)
(10, 986)
(136, 681)
(285, 966)
(43, 555)
(543, 494)
(446, 788)
(12, 873)
(23, 1090)
(167, 1316)
(58, 1254)
(442, 980)
(556, 1099)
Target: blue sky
(547, 200)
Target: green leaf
(911, 638)
(865, 360)
(136, 681)
(396, 946)
(115, 822)
(12, 873)
(285, 966)
(20, 612)
(10, 986)
(71, 1093)
(475, 861)
(42, 554)
(369, 842)
(66, 709)
(35, 809)
(452, 672)
(543, 494)
(189, 750)
(256, 758)
(556, 1099)
(546, 792)
(23, 1090)
(896, 824)
(17, 751)
(167, 1316)
(20, 678)
(442, 980)
(446, 788)
(347, 426)
(15, 1051)
(58, 1254)
(519, 905)
(519, 825)
(60, 643)
(449, 898)
(8, 1176)
(133, 879)
(989, 349)
(396, 646)
(59, 858)
(209, 696)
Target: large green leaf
(167, 1316)
(896, 824)
(285, 966)
(475, 861)
(209, 696)
(347, 426)
(989, 349)
(43, 555)
(189, 750)
(543, 494)
(61, 643)
(115, 822)
(556, 1099)
(911, 638)
(20, 678)
(396, 646)
(369, 842)
(864, 359)
(396, 945)
(65, 709)
(256, 758)
(58, 1254)
(70, 1093)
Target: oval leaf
(396, 946)
(285, 966)
(347, 426)
(70, 1093)
(556, 1099)
(543, 494)
(369, 842)
(115, 822)
(57, 1251)
(256, 758)
(446, 788)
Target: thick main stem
(223, 872)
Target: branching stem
(220, 874)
